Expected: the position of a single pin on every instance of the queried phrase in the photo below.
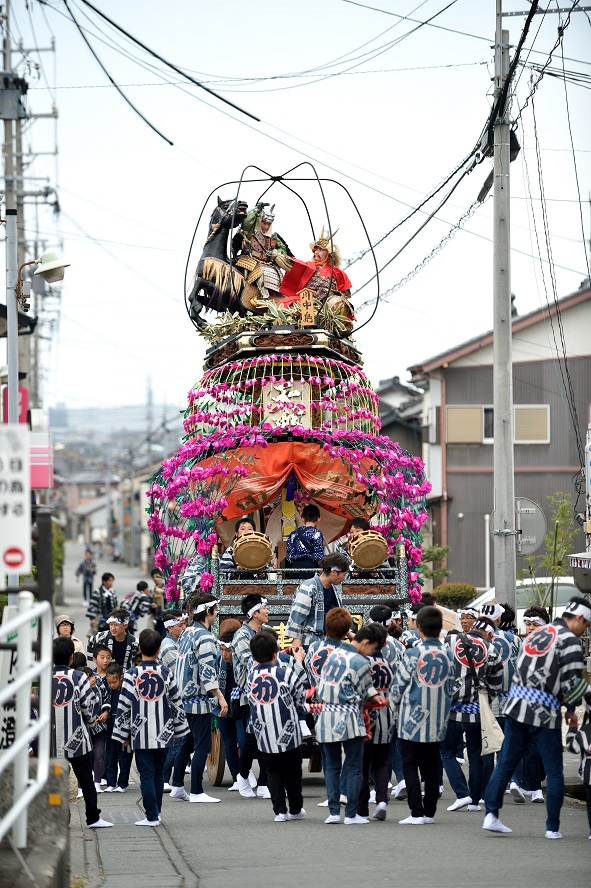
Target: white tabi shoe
(518, 796)
(202, 797)
(355, 821)
(551, 834)
(146, 822)
(460, 803)
(381, 811)
(179, 793)
(493, 824)
(252, 779)
(99, 824)
(412, 821)
(537, 797)
(263, 792)
(244, 788)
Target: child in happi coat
(376, 749)
(345, 684)
(118, 756)
(99, 728)
(149, 718)
(276, 696)
(74, 709)
(422, 692)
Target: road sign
(530, 523)
(15, 500)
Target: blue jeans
(170, 759)
(117, 758)
(353, 749)
(197, 742)
(549, 743)
(233, 734)
(150, 765)
(488, 761)
(449, 749)
(396, 758)
(87, 583)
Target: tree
(552, 560)
(431, 565)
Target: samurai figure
(263, 258)
(322, 277)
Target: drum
(368, 549)
(252, 551)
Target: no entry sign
(15, 500)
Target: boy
(305, 545)
(345, 684)
(196, 673)
(422, 692)
(174, 623)
(254, 608)
(99, 729)
(102, 601)
(74, 709)
(118, 756)
(376, 749)
(276, 696)
(149, 718)
(139, 604)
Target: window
(464, 425)
(475, 425)
(532, 424)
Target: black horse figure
(218, 285)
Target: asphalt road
(237, 843)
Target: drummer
(358, 525)
(243, 526)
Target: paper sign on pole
(15, 500)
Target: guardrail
(26, 788)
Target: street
(237, 842)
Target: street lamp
(52, 269)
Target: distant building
(400, 411)
(458, 425)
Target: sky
(385, 110)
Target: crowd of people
(390, 706)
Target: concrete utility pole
(504, 485)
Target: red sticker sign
(13, 557)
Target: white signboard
(15, 500)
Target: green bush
(455, 595)
(3, 603)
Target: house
(400, 410)
(551, 355)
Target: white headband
(468, 611)
(574, 609)
(205, 605)
(225, 644)
(493, 611)
(256, 607)
(396, 615)
(117, 620)
(537, 621)
(386, 624)
(175, 621)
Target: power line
(117, 87)
(165, 62)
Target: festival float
(282, 416)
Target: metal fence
(28, 669)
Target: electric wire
(117, 87)
(167, 63)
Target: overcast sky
(397, 116)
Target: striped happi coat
(465, 705)
(169, 651)
(422, 691)
(132, 648)
(317, 655)
(508, 645)
(579, 742)
(548, 674)
(75, 708)
(345, 684)
(242, 658)
(307, 617)
(196, 670)
(276, 696)
(150, 713)
(383, 665)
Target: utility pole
(504, 485)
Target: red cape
(298, 277)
